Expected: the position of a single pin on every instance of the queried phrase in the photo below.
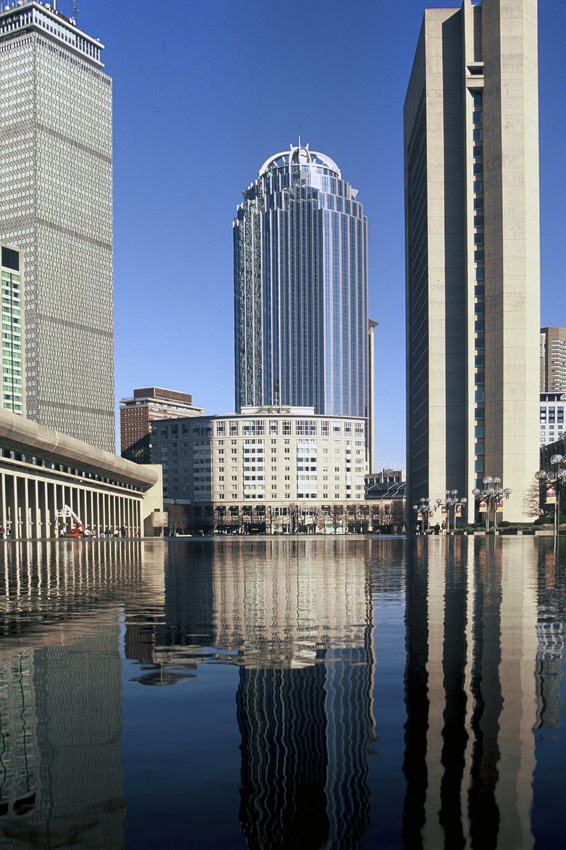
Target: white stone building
(277, 457)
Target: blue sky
(204, 93)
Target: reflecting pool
(308, 693)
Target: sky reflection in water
(313, 693)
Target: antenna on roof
(75, 10)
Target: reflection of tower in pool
(60, 700)
(282, 720)
(304, 698)
(61, 771)
(551, 642)
(470, 693)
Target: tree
(532, 502)
(177, 518)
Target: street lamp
(452, 501)
(424, 508)
(556, 480)
(492, 495)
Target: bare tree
(177, 518)
(532, 501)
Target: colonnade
(29, 502)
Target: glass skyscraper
(300, 268)
(56, 208)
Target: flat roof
(26, 437)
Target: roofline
(57, 18)
(329, 163)
(22, 435)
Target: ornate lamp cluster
(555, 478)
(492, 494)
(451, 500)
(424, 508)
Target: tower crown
(300, 158)
(35, 17)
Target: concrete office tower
(56, 206)
(472, 252)
(300, 268)
(553, 360)
(13, 380)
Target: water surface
(288, 693)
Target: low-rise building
(46, 476)
(149, 404)
(387, 492)
(267, 468)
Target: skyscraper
(56, 207)
(301, 280)
(472, 252)
(553, 360)
(13, 380)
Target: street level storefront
(42, 470)
(348, 517)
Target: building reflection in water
(297, 618)
(484, 640)
(476, 685)
(550, 633)
(60, 696)
(303, 637)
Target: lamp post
(492, 495)
(452, 501)
(424, 508)
(556, 478)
